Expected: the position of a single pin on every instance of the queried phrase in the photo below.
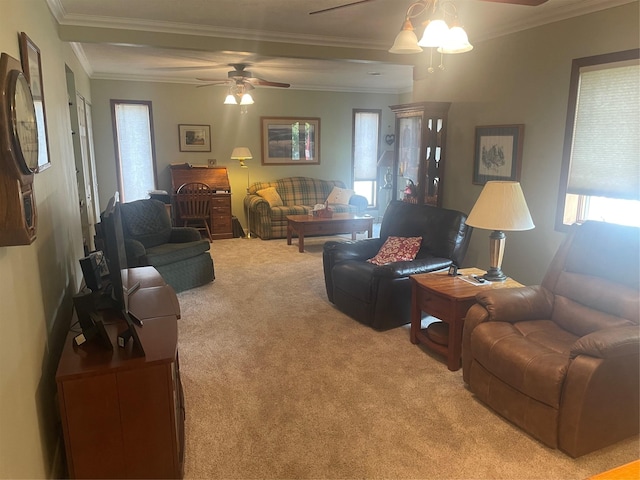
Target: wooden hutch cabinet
(418, 171)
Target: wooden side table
(447, 298)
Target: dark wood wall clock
(18, 155)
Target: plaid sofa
(299, 195)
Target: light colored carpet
(279, 384)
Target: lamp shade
(501, 206)
(435, 35)
(241, 153)
(457, 41)
(406, 41)
(246, 99)
(230, 100)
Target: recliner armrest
(608, 343)
(354, 250)
(413, 267)
(517, 304)
(184, 235)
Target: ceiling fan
(241, 77)
(531, 3)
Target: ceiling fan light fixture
(406, 41)
(246, 99)
(230, 100)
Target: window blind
(605, 152)
(366, 145)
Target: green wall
(521, 78)
(38, 280)
(175, 104)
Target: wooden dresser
(218, 180)
(123, 414)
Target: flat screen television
(116, 256)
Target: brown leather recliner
(561, 359)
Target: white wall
(175, 104)
(37, 281)
(521, 78)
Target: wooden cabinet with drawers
(218, 180)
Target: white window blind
(365, 145)
(135, 152)
(605, 151)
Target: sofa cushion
(397, 249)
(340, 196)
(271, 195)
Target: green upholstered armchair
(178, 253)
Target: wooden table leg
(289, 231)
(416, 316)
(455, 341)
(301, 239)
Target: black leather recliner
(380, 295)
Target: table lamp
(242, 154)
(500, 207)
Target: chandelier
(445, 38)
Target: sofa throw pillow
(271, 195)
(340, 196)
(397, 249)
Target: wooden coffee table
(339, 223)
(448, 299)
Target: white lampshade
(435, 34)
(242, 154)
(230, 100)
(406, 41)
(246, 99)
(501, 206)
(457, 41)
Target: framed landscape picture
(194, 138)
(290, 141)
(498, 153)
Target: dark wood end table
(447, 298)
(339, 223)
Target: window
(135, 151)
(600, 177)
(366, 135)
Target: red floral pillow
(397, 249)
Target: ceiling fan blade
(220, 80)
(531, 3)
(339, 6)
(210, 84)
(185, 69)
(267, 83)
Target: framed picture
(290, 141)
(498, 153)
(32, 69)
(195, 138)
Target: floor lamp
(500, 207)
(242, 154)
